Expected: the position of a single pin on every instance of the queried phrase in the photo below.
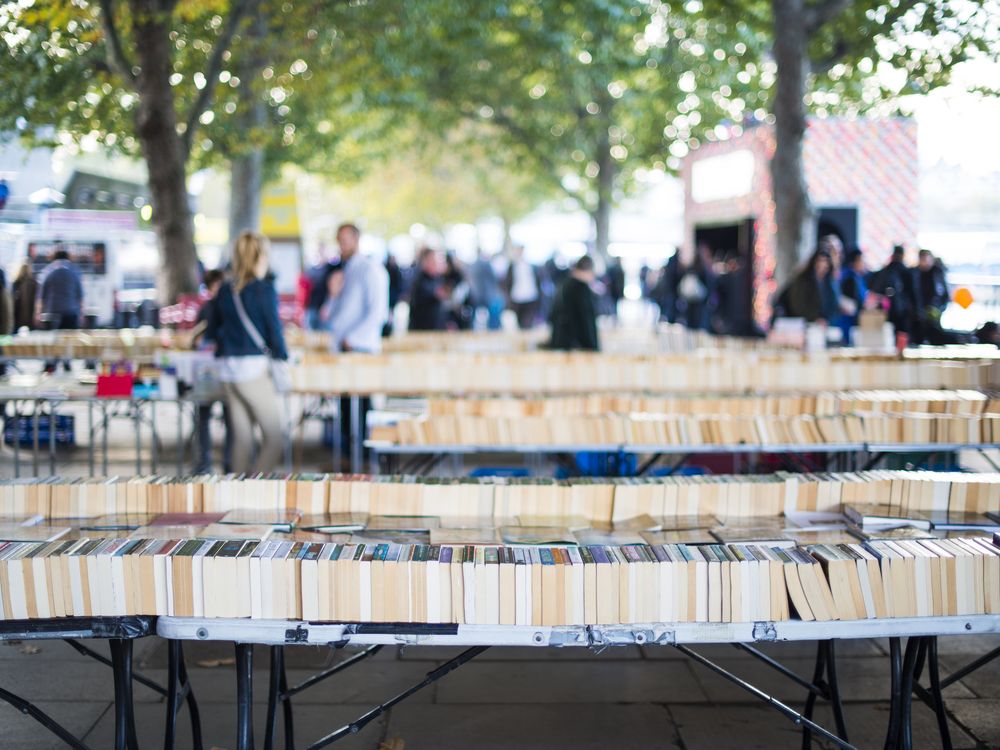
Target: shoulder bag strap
(248, 325)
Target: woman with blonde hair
(244, 324)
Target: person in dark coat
(812, 294)
(895, 282)
(428, 293)
(574, 310)
(24, 291)
(933, 297)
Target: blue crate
(22, 430)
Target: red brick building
(862, 177)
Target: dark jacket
(574, 317)
(62, 289)
(24, 293)
(813, 298)
(932, 289)
(427, 312)
(896, 282)
(227, 331)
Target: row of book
(683, 431)
(602, 499)
(578, 372)
(958, 402)
(499, 585)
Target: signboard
(67, 219)
(722, 177)
(279, 216)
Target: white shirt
(524, 285)
(357, 314)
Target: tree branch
(817, 14)
(214, 67)
(114, 52)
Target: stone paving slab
(219, 728)
(758, 728)
(984, 682)
(572, 726)
(20, 732)
(981, 717)
(860, 679)
(570, 682)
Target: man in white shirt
(522, 288)
(354, 315)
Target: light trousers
(255, 402)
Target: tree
(161, 79)
(581, 93)
(837, 55)
(74, 66)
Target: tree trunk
(793, 212)
(605, 186)
(246, 177)
(163, 150)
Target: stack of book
(427, 373)
(498, 584)
(680, 431)
(959, 402)
(596, 499)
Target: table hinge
(298, 634)
(764, 631)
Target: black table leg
(244, 696)
(935, 678)
(286, 704)
(811, 698)
(906, 693)
(895, 670)
(273, 691)
(196, 740)
(834, 689)
(121, 658)
(29, 709)
(173, 693)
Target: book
(882, 515)
(279, 519)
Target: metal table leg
(104, 437)
(935, 678)
(244, 696)
(90, 438)
(29, 709)
(121, 657)
(52, 438)
(834, 689)
(16, 432)
(34, 452)
(153, 436)
(356, 437)
(136, 414)
(338, 445)
(274, 689)
(180, 437)
(895, 696)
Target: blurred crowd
(832, 288)
(443, 293)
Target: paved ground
(513, 698)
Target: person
(4, 193)
(317, 281)
(615, 283)
(24, 291)
(355, 314)
(428, 293)
(853, 292)
(397, 286)
(486, 293)
(245, 309)
(574, 310)
(686, 287)
(212, 281)
(6, 306)
(60, 294)
(932, 296)
(523, 288)
(895, 282)
(811, 294)
(458, 306)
